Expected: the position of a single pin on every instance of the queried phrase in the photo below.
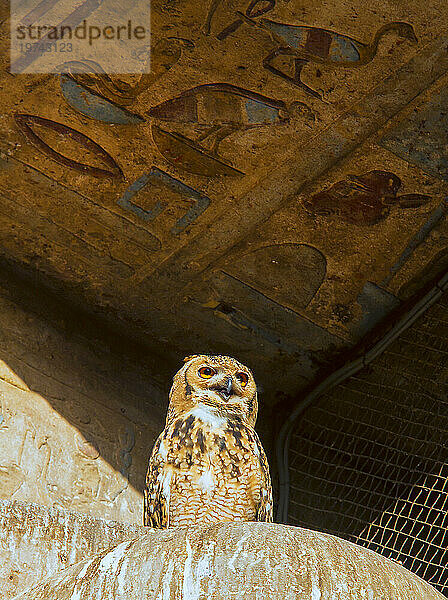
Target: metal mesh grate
(369, 461)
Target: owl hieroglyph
(208, 464)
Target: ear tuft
(190, 357)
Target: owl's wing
(156, 501)
(265, 508)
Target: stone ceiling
(272, 189)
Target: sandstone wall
(77, 418)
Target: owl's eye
(242, 378)
(206, 372)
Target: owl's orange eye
(206, 372)
(242, 378)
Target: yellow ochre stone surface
(224, 561)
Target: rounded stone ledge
(254, 561)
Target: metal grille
(369, 460)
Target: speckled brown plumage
(208, 464)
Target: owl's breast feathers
(206, 468)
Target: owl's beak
(225, 389)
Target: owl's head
(218, 382)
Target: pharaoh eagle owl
(208, 464)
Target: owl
(208, 465)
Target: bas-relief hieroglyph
(46, 460)
(77, 419)
(374, 239)
(145, 192)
